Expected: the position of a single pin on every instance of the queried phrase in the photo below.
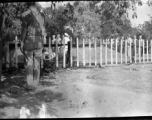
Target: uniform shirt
(66, 39)
(34, 22)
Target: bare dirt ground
(89, 92)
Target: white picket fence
(93, 54)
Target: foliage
(147, 29)
(55, 20)
(87, 21)
(114, 18)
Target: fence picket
(89, 52)
(130, 51)
(139, 53)
(106, 52)
(135, 49)
(16, 55)
(147, 51)
(64, 53)
(95, 49)
(71, 53)
(121, 50)
(143, 51)
(151, 49)
(111, 51)
(56, 49)
(77, 52)
(83, 52)
(49, 44)
(126, 51)
(100, 52)
(116, 49)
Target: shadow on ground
(33, 101)
(14, 95)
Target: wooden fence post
(101, 52)
(147, 51)
(126, 51)
(151, 49)
(116, 49)
(64, 65)
(130, 51)
(139, 52)
(135, 49)
(106, 52)
(121, 50)
(71, 53)
(83, 52)
(143, 51)
(95, 49)
(16, 55)
(111, 51)
(89, 52)
(49, 44)
(56, 49)
(77, 52)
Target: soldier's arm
(23, 36)
(3, 27)
(23, 33)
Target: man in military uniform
(33, 32)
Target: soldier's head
(53, 36)
(66, 35)
(129, 36)
(134, 36)
(140, 37)
(36, 4)
(58, 35)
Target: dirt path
(110, 91)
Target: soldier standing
(32, 35)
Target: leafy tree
(12, 11)
(55, 20)
(84, 21)
(147, 29)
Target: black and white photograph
(76, 59)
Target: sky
(142, 13)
